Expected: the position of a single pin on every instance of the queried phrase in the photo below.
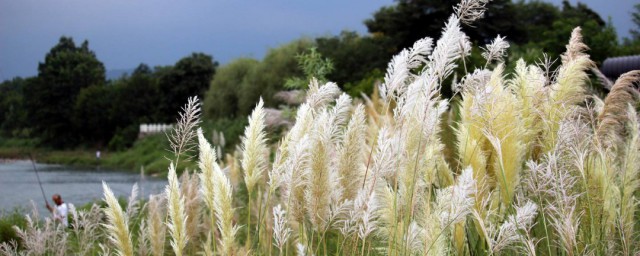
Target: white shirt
(60, 214)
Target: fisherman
(60, 211)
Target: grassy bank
(148, 152)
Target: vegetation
(70, 104)
(539, 166)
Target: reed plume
(352, 153)
(254, 148)
(189, 188)
(512, 234)
(177, 223)
(568, 90)
(613, 119)
(319, 192)
(118, 224)
(85, 228)
(280, 230)
(182, 135)
(155, 227)
(469, 11)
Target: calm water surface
(19, 184)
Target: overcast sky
(124, 33)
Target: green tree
(270, 75)
(50, 100)
(400, 25)
(631, 46)
(354, 57)
(313, 65)
(12, 112)
(190, 76)
(127, 114)
(238, 85)
(221, 99)
(92, 115)
(599, 35)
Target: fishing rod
(33, 163)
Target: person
(60, 211)
(98, 155)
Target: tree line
(70, 103)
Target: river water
(19, 184)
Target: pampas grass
(155, 227)
(182, 135)
(540, 168)
(177, 222)
(118, 225)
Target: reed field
(521, 162)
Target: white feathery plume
(280, 230)
(207, 159)
(351, 154)
(453, 45)
(385, 159)
(155, 227)
(294, 175)
(469, 11)
(319, 96)
(301, 249)
(510, 232)
(365, 205)
(418, 98)
(318, 196)
(342, 110)
(182, 135)
(223, 208)
(474, 82)
(455, 202)
(132, 205)
(177, 218)
(304, 119)
(118, 224)
(254, 148)
(496, 50)
(396, 76)
(217, 191)
(414, 237)
(419, 52)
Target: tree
(400, 25)
(91, 112)
(12, 113)
(635, 17)
(354, 57)
(313, 65)
(270, 75)
(189, 77)
(50, 100)
(599, 35)
(221, 99)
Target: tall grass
(538, 167)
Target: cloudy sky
(124, 33)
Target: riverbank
(149, 153)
